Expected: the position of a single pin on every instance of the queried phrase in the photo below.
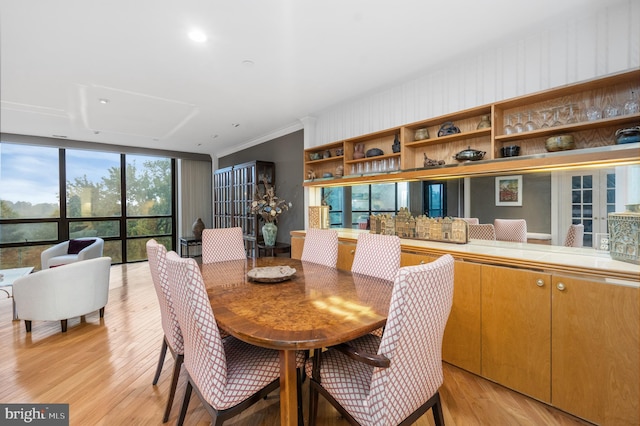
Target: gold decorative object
(404, 225)
(319, 217)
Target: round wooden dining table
(316, 307)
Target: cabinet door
(596, 350)
(516, 329)
(410, 259)
(461, 342)
(297, 244)
(346, 252)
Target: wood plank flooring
(104, 367)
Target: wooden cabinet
(594, 139)
(447, 146)
(346, 253)
(233, 191)
(461, 345)
(408, 258)
(596, 350)
(324, 160)
(516, 329)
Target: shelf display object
(233, 191)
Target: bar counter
(526, 255)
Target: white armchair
(72, 251)
(69, 291)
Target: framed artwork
(509, 190)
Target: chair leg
(313, 393)
(27, 325)
(102, 312)
(438, 418)
(174, 384)
(185, 402)
(299, 393)
(163, 353)
(63, 325)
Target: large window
(125, 209)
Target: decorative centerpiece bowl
(560, 143)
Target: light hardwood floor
(104, 368)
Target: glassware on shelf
(611, 110)
(518, 127)
(530, 125)
(593, 113)
(556, 118)
(545, 117)
(571, 118)
(632, 106)
(508, 129)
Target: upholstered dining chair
(471, 220)
(394, 379)
(172, 339)
(321, 246)
(482, 231)
(575, 236)
(377, 255)
(222, 244)
(511, 230)
(228, 375)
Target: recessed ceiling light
(96, 132)
(103, 101)
(248, 63)
(235, 124)
(197, 36)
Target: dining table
(313, 307)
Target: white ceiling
(59, 58)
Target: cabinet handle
(540, 282)
(352, 251)
(560, 287)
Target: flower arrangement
(267, 204)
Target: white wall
(592, 44)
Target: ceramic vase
(269, 233)
(197, 228)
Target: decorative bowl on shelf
(374, 152)
(469, 154)
(560, 143)
(421, 134)
(315, 156)
(629, 135)
(510, 151)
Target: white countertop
(564, 258)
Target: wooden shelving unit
(595, 140)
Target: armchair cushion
(75, 246)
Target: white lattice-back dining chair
(228, 375)
(321, 246)
(222, 244)
(575, 236)
(482, 231)
(511, 230)
(172, 339)
(393, 379)
(377, 255)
